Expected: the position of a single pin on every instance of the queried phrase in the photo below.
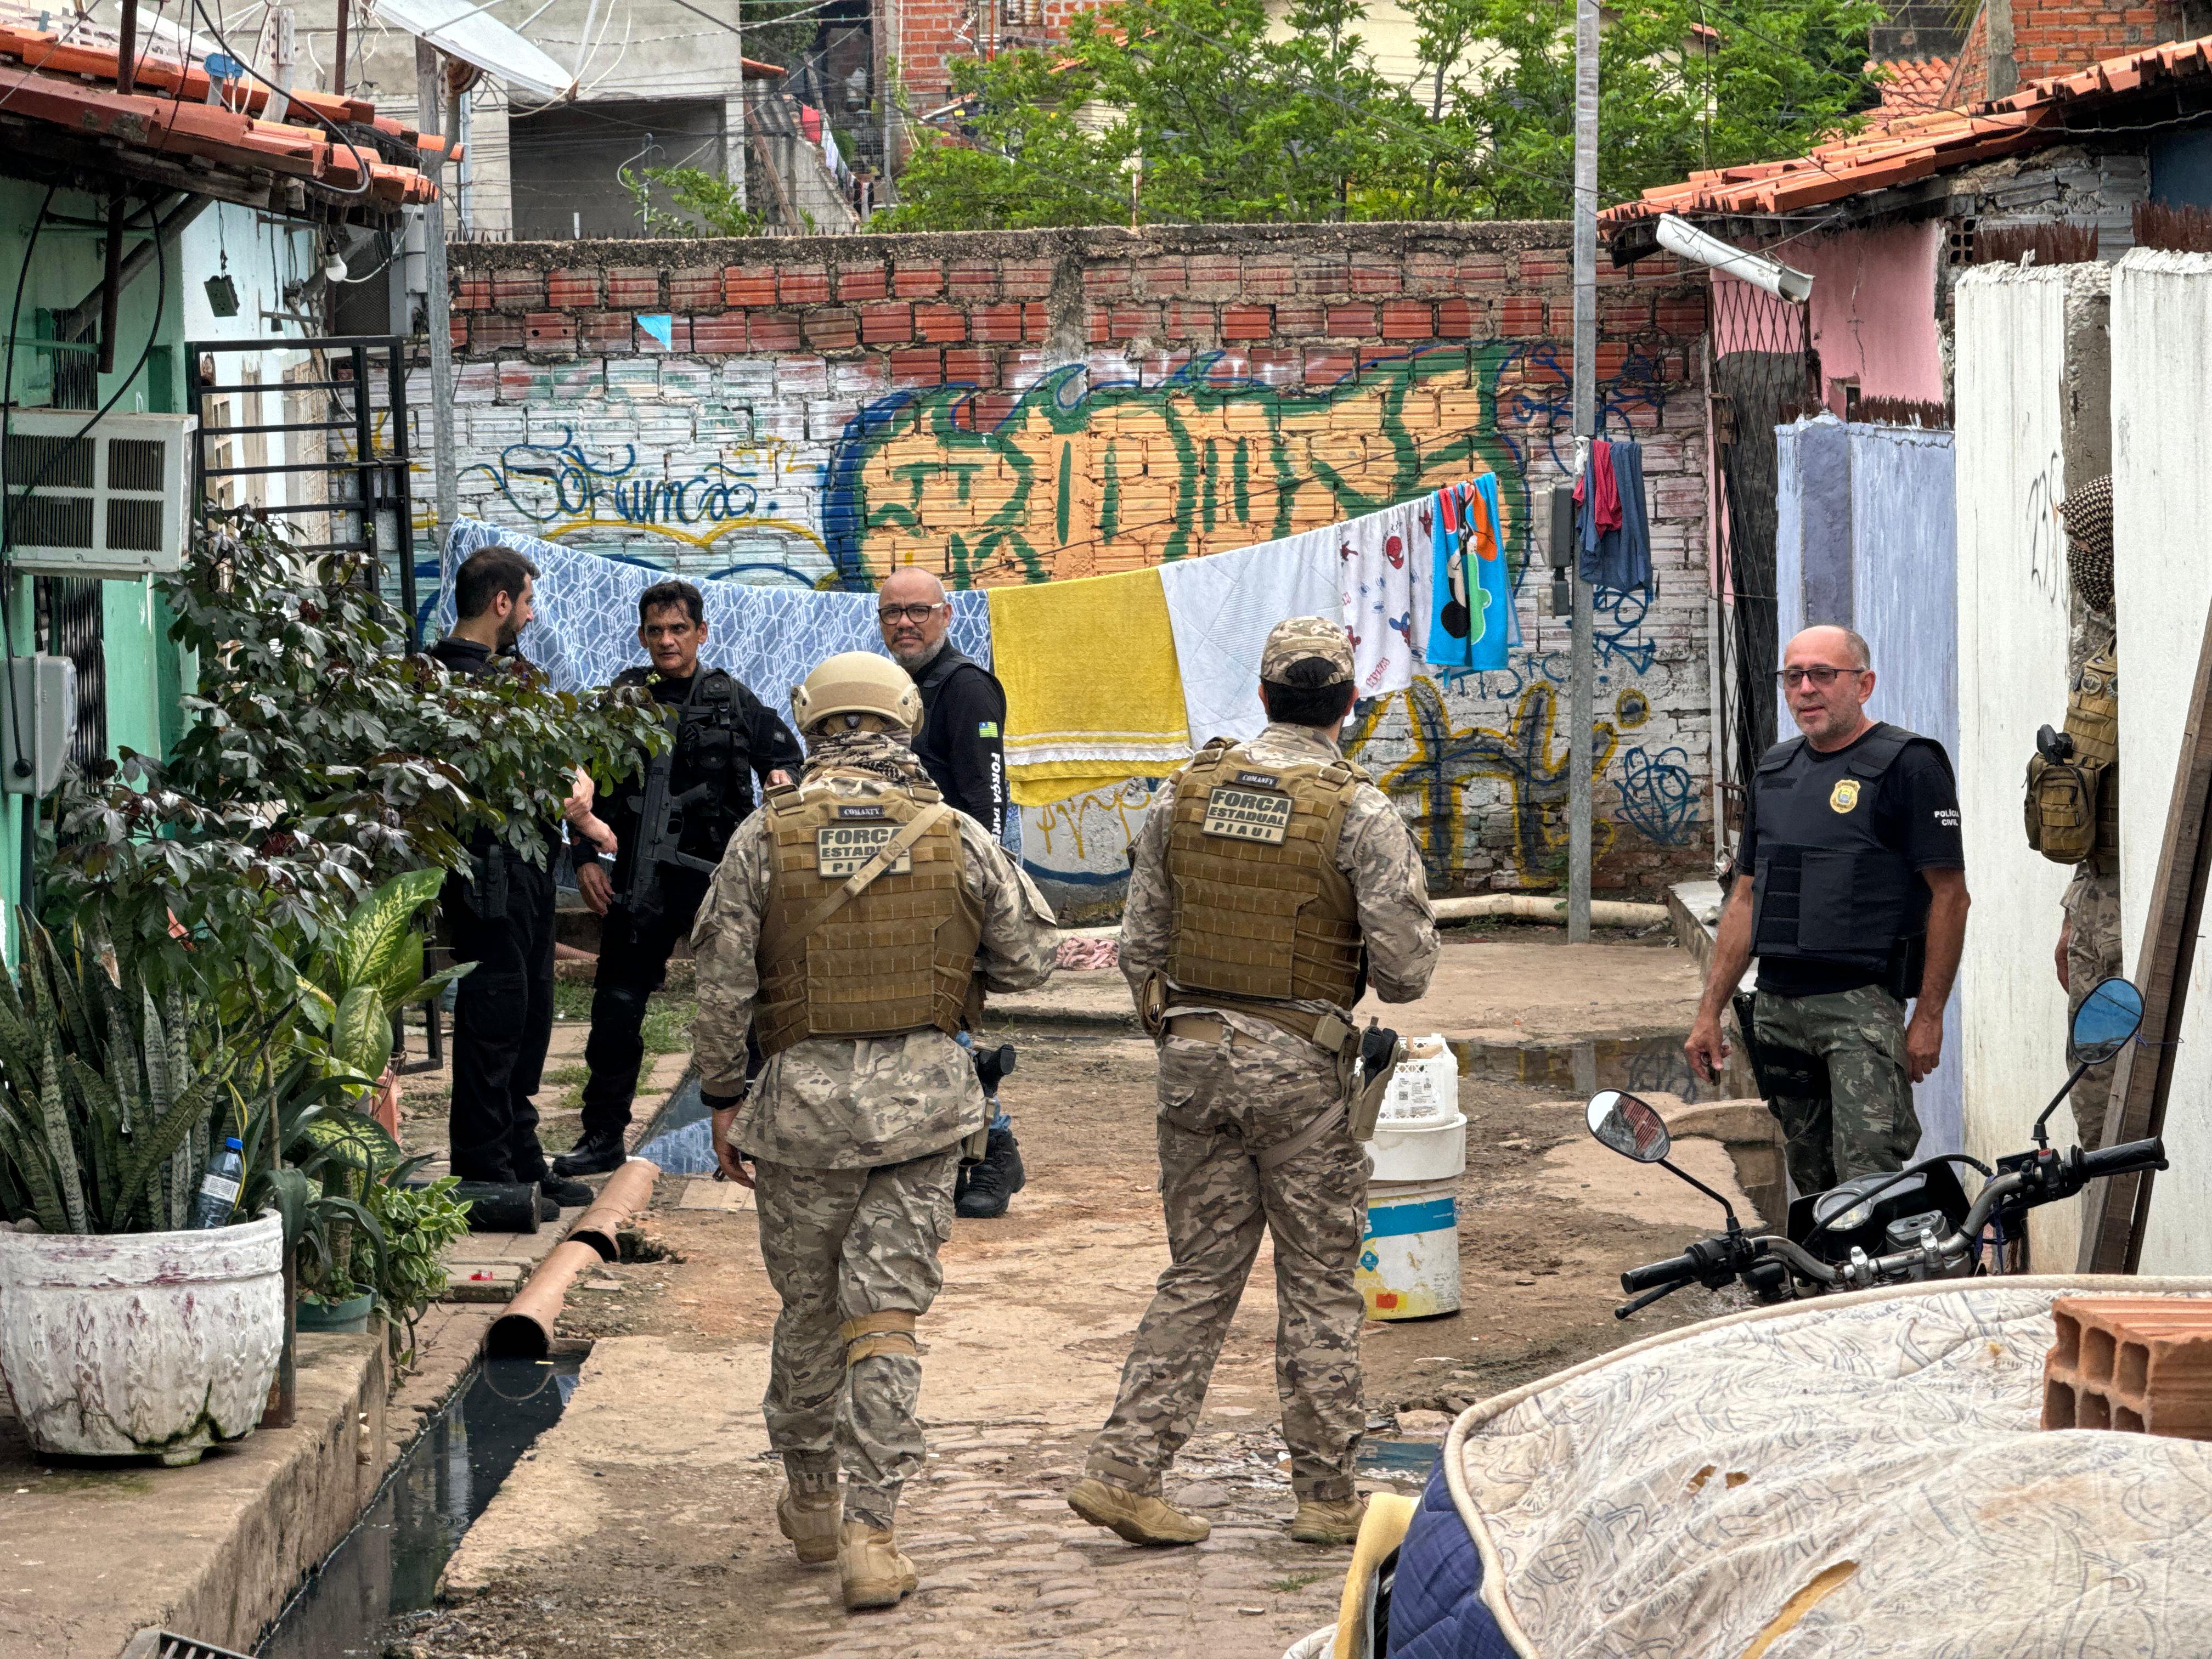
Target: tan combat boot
(1332, 1521)
(810, 1521)
(874, 1573)
(1133, 1515)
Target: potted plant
(124, 1331)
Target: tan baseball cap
(1301, 637)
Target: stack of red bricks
(2135, 1363)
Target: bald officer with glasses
(1854, 905)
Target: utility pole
(1581, 696)
(429, 99)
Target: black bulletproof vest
(713, 747)
(1825, 887)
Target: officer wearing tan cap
(1271, 885)
(847, 925)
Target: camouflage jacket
(839, 1103)
(1375, 850)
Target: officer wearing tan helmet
(1270, 885)
(854, 922)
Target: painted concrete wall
(1024, 406)
(1873, 310)
(2162, 500)
(2012, 436)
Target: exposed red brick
(939, 323)
(472, 294)
(1324, 275)
(886, 324)
(802, 285)
(606, 331)
(1271, 277)
(720, 331)
(457, 332)
(1297, 317)
(773, 331)
(972, 279)
(918, 364)
(917, 282)
(1351, 320)
(1407, 319)
(832, 328)
(1376, 279)
(1127, 322)
(1480, 268)
(1271, 364)
(749, 285)
(971, 366)
(1461, 319)
(1544, 267)
(1683, 318)
(1106, 279)
(1247, 322)
(1036, 320)
(1215, 276)
(1188, 321)
(1625, 316)
(489, 333)
(632, 285)
(1325, 367)
(863, 282)
(992, 408)
(695, 288)
(1431, 273)
(1002, 323)
(518, 290)
(551, 330)
(1028, 282)
(576, 291)
(1163, 278)
(1520, 316)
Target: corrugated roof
(72, 86)
(1915, 147)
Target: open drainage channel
(389, 1564)
(1650, 1065)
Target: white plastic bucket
(1409, 1256)
(1420, 1134)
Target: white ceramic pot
(120, 1345)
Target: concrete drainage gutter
(525, 1331)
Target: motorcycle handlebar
(1652, 1274)
(2125, 1160)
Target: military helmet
(857, 683)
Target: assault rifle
(657, 850)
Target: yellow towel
(1384, 1528)
(1092, 693)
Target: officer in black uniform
(723, 738)
(1856, 903)
(500, 918)
(962, 745)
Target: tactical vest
(712, 747)
(2073, 804)
(1261, 910)
(1826, 888)
(896, 959)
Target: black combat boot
(565, 1193)
(994, 1181)
(595, 1154)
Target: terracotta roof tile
(72, 85)
(1913, 146)
(1910, 86)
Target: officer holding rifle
(670, 820)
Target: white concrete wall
(2163, 506)
(2011, 335)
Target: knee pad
(890, 1331)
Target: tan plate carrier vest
(899, 956)
(1261, 911)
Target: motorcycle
(1893, 1227)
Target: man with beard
(500, 916)
(962, 745)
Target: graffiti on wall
(1081, 477)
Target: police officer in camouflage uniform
(1849, 886)
(852, 925)
(1270, 883)
(2089, 939)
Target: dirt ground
(642, 1523)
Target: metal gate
(334, 462)
(1765, 372)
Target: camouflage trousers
(1220, 1108)
(840, 1245)
(1866, 1122)
(2093, 952)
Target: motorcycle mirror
(2108, 1018)
(1629, 1125)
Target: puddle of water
(1390, 1457)
(1652, 1065)
(389, 1565)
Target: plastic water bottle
(218, 1193)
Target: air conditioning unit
(109, 503)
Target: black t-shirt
(961, 743)
(1916, 809)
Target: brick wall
(2052, 37)
(1021, 406)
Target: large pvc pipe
(1604, 912)
(628, 1191)
(525, 1331)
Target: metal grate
(154, 1644)
(340, 473)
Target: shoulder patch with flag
(986, 728)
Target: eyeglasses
(913, 613)
(1824, 677)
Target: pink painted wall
(1873, 310)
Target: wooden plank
(2116, 1210)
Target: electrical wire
(7, 524)
(362, 165)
